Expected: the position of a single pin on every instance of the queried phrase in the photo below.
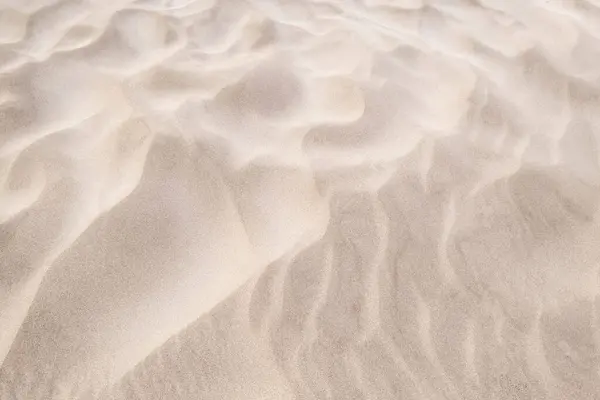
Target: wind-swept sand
(325, 199)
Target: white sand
(289, 199)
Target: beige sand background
(287, 199)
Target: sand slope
(268, 199)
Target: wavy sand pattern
(276, 199)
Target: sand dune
(326, 199)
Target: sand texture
(299, 199)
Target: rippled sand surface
(287, 199)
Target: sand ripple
(327, 199)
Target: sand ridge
(269, 199)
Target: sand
(286, 199)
